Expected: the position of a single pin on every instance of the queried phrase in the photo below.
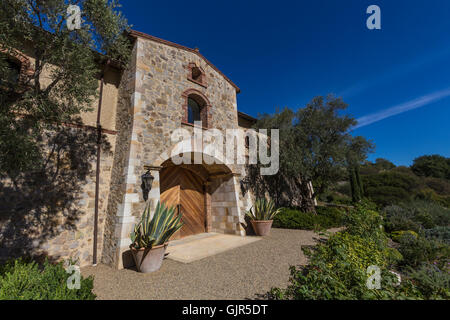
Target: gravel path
(242, 273)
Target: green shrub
(432, 166)
(418, 250)
(326, 217)
(320, 282)
(440, 186)
(433, 282)
(416, 216)
(390, 187)
(445, 201)
(440, 233)
(440, 216)
(20, 280)
(397, 235)
(399, 218)
(365, 222)
(335, 198)
(358, 252)
(337, 269)
(344, 188)
(343, 200)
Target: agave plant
(263, 210)
(150, 232)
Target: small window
(197, 74)
(193, 111)
(11, 73)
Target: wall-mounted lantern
(147, 181)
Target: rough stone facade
(142, 109)
(161, 81)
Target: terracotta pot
(262, 228)
(149, 260)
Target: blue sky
(283, 53)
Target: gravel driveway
(242, 273)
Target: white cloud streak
(399, 71)
(401, 108)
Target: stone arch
(206, 194)
(188, 147)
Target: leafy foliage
(390, 187)
(440, 233)
(156, 230)
(432, 166)
(417, 250)
(337, 269)
(263, 210)
(313, 148)
(386, 184)
(416, 216)
(21, 280)
(398, 235)
(431, 281)
(63, 80)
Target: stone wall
(226, 211)
(124, 183)
(141, 108)
(160, 83)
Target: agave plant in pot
(150, 236)
(261, 216)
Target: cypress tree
(359, 181)
(356, 196)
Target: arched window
(196, 108)
(193, 111)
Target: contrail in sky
(398, 71)
(404, 107)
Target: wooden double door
(183, 189)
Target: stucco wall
(53, 214)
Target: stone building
(165, 87)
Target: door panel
(192, 200)
(183, 189)
(170, 190)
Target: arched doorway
(202, 193)
(185, 190)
